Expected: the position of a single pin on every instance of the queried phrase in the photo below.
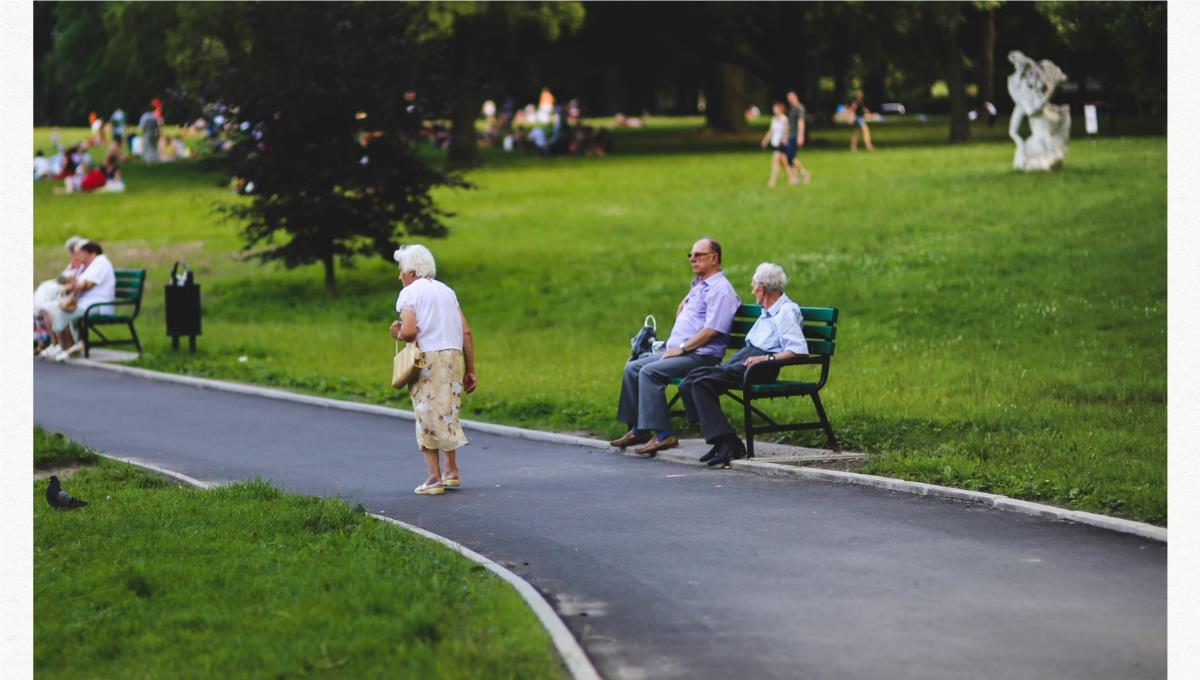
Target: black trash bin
(183, 306)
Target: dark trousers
(701, 391)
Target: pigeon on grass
(57, 498)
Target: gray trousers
(643, 402)
(701, 391)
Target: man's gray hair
(416, 259)
(771, 276)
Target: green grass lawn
(156, 580)
(999, 331)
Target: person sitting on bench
(778, 334)
(698, 338)
(97, 283)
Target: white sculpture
(1031, 85)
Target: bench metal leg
(825, 422)
(83, 336)
(675, 400)
(747, 410)
(133, 333)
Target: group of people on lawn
(430, 315)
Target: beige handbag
(406, 365)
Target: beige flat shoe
(434, 489)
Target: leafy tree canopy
(317, 128)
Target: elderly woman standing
(430, 315)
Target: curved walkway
(666, 571)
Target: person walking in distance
(795, 119)
(859, 110)
(773, 140)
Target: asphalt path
(664, 570)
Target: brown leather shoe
(629, 439)
(657, 445)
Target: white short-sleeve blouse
(439, 322)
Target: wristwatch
(771, 356)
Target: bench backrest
(820, 327)
(130, 283)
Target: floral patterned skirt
(436, 398)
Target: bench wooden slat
(820, 332)
(821, 347)
(741, 327)
(783, 386)
(828, 314)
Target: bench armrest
(763, 367)
(110, 303)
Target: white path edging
(988, 499)
(569, 649)
(274, 393)
(763, 468)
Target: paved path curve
(666, 571)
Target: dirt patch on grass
(62, 472)
(49, 262)
(146, 257)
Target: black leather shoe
(737, 449)
(711, 452)
(721, 457)
(730, 449)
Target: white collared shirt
(780, 328)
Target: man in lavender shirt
(698, 338)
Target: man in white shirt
(778, 334)
(96, 283)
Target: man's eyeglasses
(693, 256)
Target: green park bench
(820, 329)
(130, 284)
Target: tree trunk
(685, 94)
(726, 98)
(614, 90)
(464, 146)
(989, 58)
(960, 125)
(330, 282)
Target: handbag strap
(398, 339)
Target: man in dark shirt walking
(795, 138)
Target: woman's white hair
(73, 243)
(771, 276)
(416, 259)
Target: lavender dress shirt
(710, 303)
